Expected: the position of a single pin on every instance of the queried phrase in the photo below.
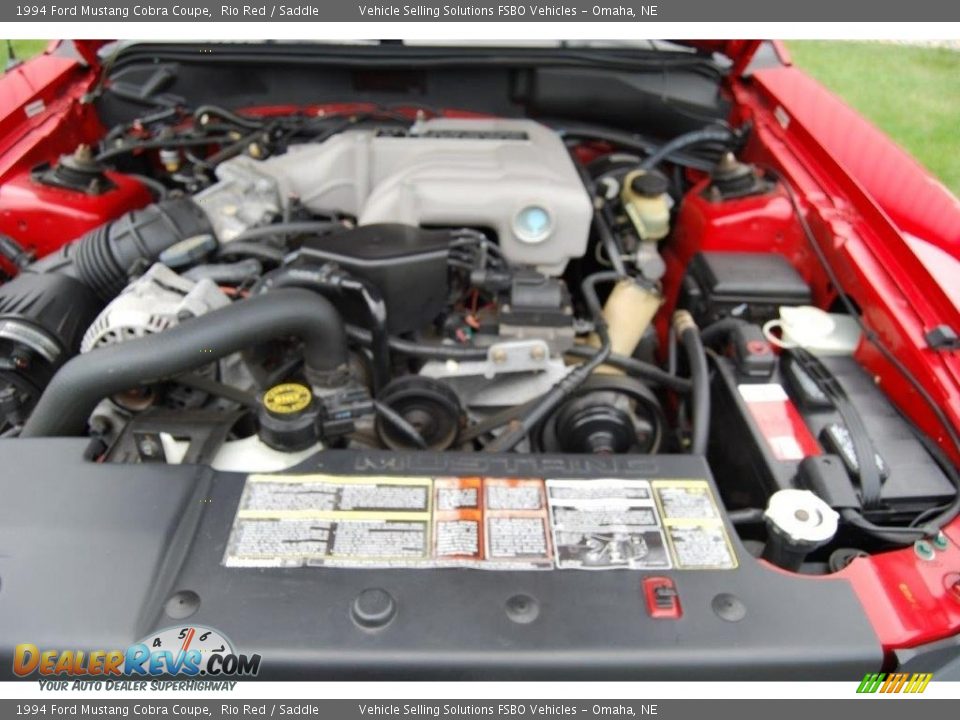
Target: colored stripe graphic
(894, 683)
(919, 682)
(871, 682)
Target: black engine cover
(89, 555)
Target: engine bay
(265, 291)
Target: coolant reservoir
(647, 204)
(819, 332)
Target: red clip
(663, 601)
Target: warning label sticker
(602, 524)
(487, 523)
(695, 532)
(325, 520)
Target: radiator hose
(328, 280)
(80, 384)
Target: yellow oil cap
(287, 398)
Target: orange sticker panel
(458, 518)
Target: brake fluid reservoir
(647, 204)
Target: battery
(763, 429)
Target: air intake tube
(75, 390)
(46, 308)
(105, 257)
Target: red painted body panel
(910, 601)
(42, 116)
(43, 218)
(745, 225)
(87, 49)
(914, 200)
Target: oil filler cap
(288, 417)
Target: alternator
(152, 303)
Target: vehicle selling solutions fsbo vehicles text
(499, 710)
(505, 11)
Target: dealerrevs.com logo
(186, 652)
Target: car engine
(411, 281)
(454, 232)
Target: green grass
(24, 50)
(911, 93)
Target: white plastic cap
(802, 517)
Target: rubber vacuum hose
(689, 336)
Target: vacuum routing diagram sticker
(478, 522)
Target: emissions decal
(490, 523)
